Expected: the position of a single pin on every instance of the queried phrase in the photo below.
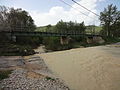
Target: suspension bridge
(47, 34)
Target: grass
(111, 40)
(83, 44)
(97, 29)
(49, 78)
(4, 74)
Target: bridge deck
(20, 33)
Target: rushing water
(87, 68)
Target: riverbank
(29, 73)
(76, 67)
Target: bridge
(64, 37)
(48, 34)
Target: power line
(85, 8)
(76, 9)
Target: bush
(110, 40)
(53, 43)
(15, 50)
(49, 78)
(4, 74)
(31, 41)
(26, 50)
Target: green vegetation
(93, 29)
(53, 43)
(19, 20)
(4, 74)
(11, 49)
(16, 20)
(64, 27)
(111, 40)
(49, 78)
(110, 21)
(48, 28)
(42, 29)
(98, 28)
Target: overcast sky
(46, 12)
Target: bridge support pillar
(64, 40)
(95, 39)
(89, 39)
(13, 38)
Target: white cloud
(57, 13)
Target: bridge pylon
(64, 40)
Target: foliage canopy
(110, 20)
(15, 19)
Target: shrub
(26, 50)
(31, 41)
(4, 74)
(53, 43)
(49, 78)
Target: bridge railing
(27, 33)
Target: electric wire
(77, 9)
(85, 7)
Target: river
(93, 68)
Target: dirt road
(93, 68)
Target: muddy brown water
(93, 68)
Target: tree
(110, 19)
(20, 20)
(48, 28)
(15, 19)
(61, 27)
(4, 18)
(80, 27)
(70, 27)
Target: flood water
(94, 68)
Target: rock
(18, 79)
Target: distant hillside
(98, 28)
(89, 29)
(45, 28)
